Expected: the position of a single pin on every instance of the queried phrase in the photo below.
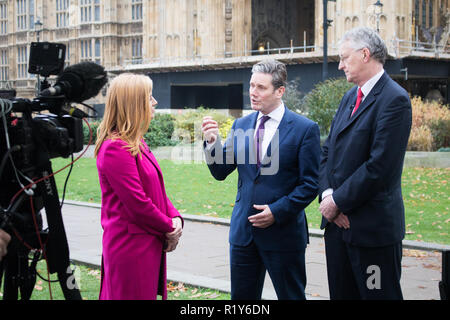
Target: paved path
(202, 257)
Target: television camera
(28, 140)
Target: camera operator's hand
(4, 240)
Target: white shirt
(270, 127)
(366, 88)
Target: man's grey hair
(275, 68)
(363, 37)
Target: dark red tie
(358, 100)
(259, 139)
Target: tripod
(24, 218)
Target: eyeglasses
(343, 59)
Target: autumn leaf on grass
(196, 295)
(181, 287)
(213, 296)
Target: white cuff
(326, 193)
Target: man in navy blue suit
(276, 153)
(360, 175)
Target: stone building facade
(166, 37)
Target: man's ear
(366, 54)
(280, 91)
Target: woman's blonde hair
(128, 111)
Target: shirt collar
(276, 114)
(368, 86)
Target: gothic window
(22, 62)
(136, 10)
(3, 18)
(62, 13)
(4, 67)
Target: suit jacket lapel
(368, 101)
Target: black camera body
(62, 136)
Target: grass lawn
(194, 191)
(88, 280)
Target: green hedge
(323, 101)
(94, 125)
(160, 131)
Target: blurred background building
(200, 52)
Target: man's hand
(210, 129)
(4, 240)
(328, 208)
(263, 219)
(342, 221)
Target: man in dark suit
(360, 175)
(276, 153)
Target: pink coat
(135, 215)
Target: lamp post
(378, 12)
(326, 24)
(38, 27)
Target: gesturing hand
(210, 129)
(263, 219)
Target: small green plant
(225, 128)
(323, 101)
(188, 126)
(160, 131)
(293, 97)
(94, 126)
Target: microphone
(352, 107)
(79, 82)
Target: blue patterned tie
(259, 139)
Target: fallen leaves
(195, 293)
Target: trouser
(248, 269)
(368, 273)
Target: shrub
(188, 127)
(440, 130)
(94, 126)
(432, 120)
(322, 102)
(420, 139)
(225, 128)
(293, 98)
(160, 131)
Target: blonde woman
(139, 222)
